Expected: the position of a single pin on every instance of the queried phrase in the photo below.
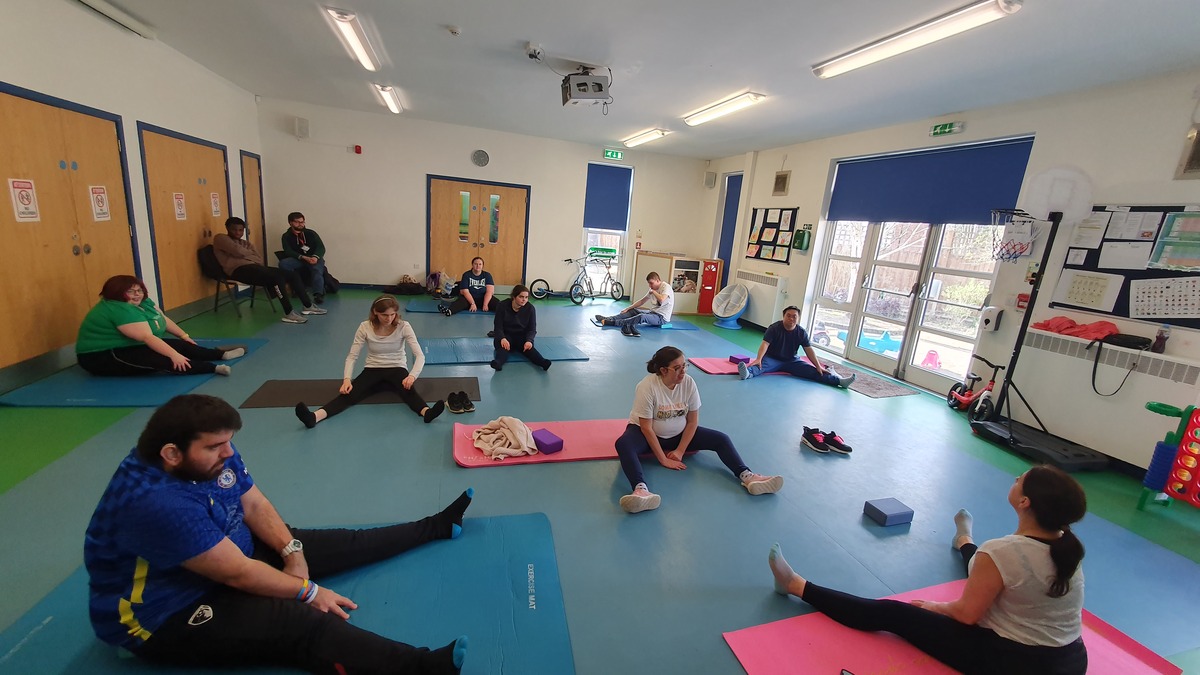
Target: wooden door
(47, 294)
(103, 217)
(252, 197)
(468, 219)
(195, 171)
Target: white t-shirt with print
(668, 408)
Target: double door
(65, 222)
(469, 219)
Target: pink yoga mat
(723, 366)
(582, 440)
(814, 643)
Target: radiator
(768, 296)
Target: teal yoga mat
(498, 584)
(423, 305)
(677, 324)
(75, 388)
(441, 351)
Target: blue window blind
(606, 206)
(948, 185)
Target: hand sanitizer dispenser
(989, 318)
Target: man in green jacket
(304, 253)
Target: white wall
(62, 49)
(370, 209)
(1127, 138)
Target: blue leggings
(631, 317)
(632, 443)
(795, 368)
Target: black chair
(212, 269)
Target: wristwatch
(293, 546)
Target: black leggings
(460, 304)
(371, 380)
(246, 630)
(969, 649)
(142, 360)
(516, 343)
(273, 279)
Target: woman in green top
(125, 334)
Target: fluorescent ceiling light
(119, 17)
(351, 32)
(964, 19)
(725, 107)
(645, 137)
(390, 98)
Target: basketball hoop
(1013, 234)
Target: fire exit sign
(614, 154)
(944, 129)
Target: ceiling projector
(584, 88)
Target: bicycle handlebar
(989, 363)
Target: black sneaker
(836, 443)
(634, 331)
(599, 319)
(454, 403)
(465, 400)
(444, 309)
(814, 439)
(491, 333)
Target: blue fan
(730, 304)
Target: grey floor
(648, 593)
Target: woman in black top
(516, 326)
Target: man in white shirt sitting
(663, 298)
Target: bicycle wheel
(577, 294)
(959, 389)
(983, 410)
(539, 289)
(617, 291)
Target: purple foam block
(739, 358)
(547, 443)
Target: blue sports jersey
(146, 524)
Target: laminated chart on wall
(1158, 299)
(1089, 290)
(1179, 246)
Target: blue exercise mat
(74, 388)
(497, 584)
(442, 351)
(678, 324)
(423, 305)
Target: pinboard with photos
(772, 232)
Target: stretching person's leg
(963, 541)
(411, 397)
(719, 442)
(629, 446)
(367, 383)
(807, 371)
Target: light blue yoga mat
(677, 324)
(441, 351)
(74, 388)
(497, 584)
(423, 305)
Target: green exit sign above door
(614, 154)
(944, 129)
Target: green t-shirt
(99, 333)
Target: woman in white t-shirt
(665, 421)
(1021, 609)
(386, 337)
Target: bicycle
(978, 404)
(582, 286)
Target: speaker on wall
(710, 179)
(300, 127)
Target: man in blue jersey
(779, 352)
(190, 564)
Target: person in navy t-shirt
(190, 564)
(779, 352)
(476, 291)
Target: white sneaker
(314, 310)
(223, 369)
(642, 499)
(293, 317)
(757, 484)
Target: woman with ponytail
(1021, 608)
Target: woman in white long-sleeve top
(386, 337)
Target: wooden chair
(212, 269)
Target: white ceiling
(670, 58)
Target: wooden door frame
(54, 101)
(429, 178)
(262, 197)
(142, 128)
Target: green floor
(35, 437)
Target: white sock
(962, 526)
(780, 569)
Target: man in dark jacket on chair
(304, 253)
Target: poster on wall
(24, 200)
(180, 206)
(771, 234)
(100, 210)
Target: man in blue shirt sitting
(778, 352)
(190, 564)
